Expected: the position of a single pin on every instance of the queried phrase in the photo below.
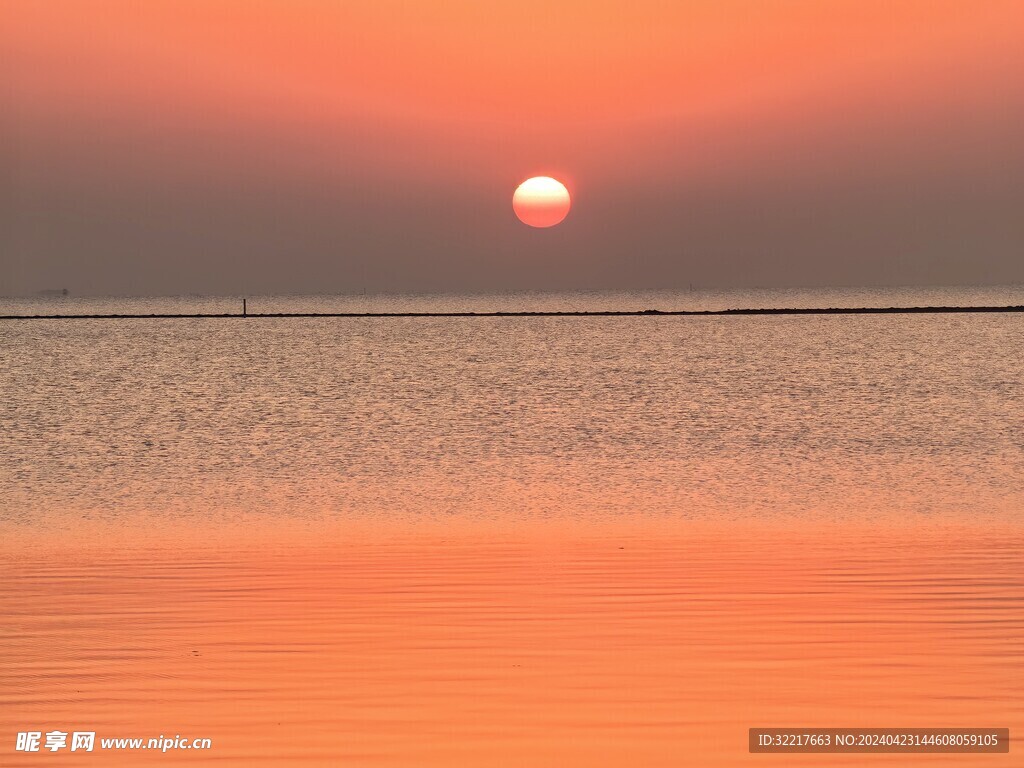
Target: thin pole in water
(243, 308)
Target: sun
(541, 201)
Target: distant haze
(231, 146)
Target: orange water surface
(553, 644)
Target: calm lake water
(511, 541)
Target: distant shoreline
(540, 313)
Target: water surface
(511, 541)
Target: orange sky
(532, 73)
(425, 98)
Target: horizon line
(545, 313)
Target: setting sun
(541, 201)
